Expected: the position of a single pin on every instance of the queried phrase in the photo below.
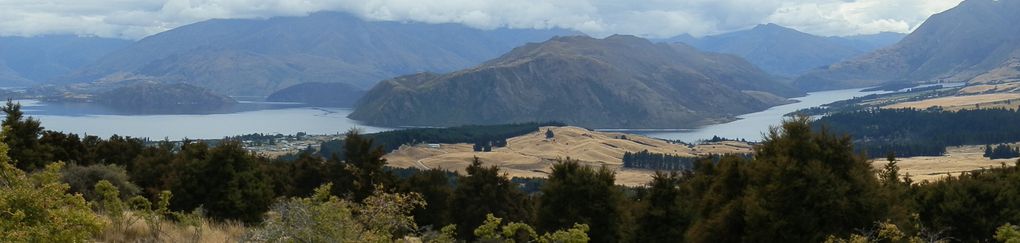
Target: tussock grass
(134, 229)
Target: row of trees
(910, 132)
(486, 145)
(1001, 151)
(478, 134)
(657, 161)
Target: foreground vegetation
(802, 185)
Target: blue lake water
(753, 126)
(287, 118)
(269, 118)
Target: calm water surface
(287, 118)
(269, 118)
(751, 127)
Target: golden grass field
(957, 160)
(962, 102)
(532, 155)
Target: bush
(325, 218)
(37, 208)
(82, 179)
(1008, 233)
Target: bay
(752, 126)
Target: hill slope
(532, 155)
(617, 82)
(321, 94)
(956, 45)
(28, 60)
(257, 57)
(787, 52)
(157, 98)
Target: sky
(134, 19)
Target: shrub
(325, 218)
(82, 179)
(37, 208)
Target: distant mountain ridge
(25, 61)
(787, 52)
(616, 82)
(967, 41)
(319, 94)
(257, 57)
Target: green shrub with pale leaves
(83, 179)
(38, 207)
(381, 217)
(492, 231)
(1008, 233)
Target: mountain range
(616, 82)
(260, 56)
(787, 52)
(978, 38)
(25, 61)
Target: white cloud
(653, 18)
(858, 17)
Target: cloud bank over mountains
(133, 19)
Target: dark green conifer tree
(434, 186)
(362, 168)
(806, 185)
(666, 217)
(224, 180)
(575, 193)
(485, 191)
(25, 149)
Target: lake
(752, 127)
(252, 117)
(289, 118)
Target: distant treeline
(487, 145)
(1001, 151)
(910, 132)
(657, 161)
(479, 135)
(714, 139)
(669, 162)
(899, 86)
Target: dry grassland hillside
(532, 155)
